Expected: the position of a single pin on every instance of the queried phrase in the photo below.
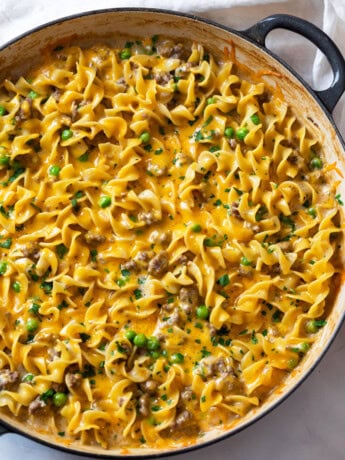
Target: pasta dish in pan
(167, 242)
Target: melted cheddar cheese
(167, 232)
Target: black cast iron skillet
(315, 106)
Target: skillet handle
(259, 31)
(3, 430)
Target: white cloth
(311, 425)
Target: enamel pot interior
(114, 27)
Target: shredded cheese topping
(166, 240)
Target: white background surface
(310, 425)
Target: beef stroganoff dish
(168, 240)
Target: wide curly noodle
(167, 235)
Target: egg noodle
(167, 231)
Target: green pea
(4, 160)
(32, 325)
(314, 325)
(311, 327)
(196, 228)
(245, 261)
(140, 340)
(59, 399)
(93, 254)
(6, 244)
(292, 363)
(312, 212)
(125, 54)
(316, 163)
(3, 267)
(104, 201)
(155, 354)
(229, 132)
(74, 203)
(32, 94)
(66, 134)
(153, 343)
(202, 312)
(61, 250)
(301, 347)
(16, 286)
(224, 280)
(130, 335)
(177, 358)
(211, 100)
(47, 395)
(28, 378)
(241, 133)
(255, 119)
(3, 111)
(84, 157)
(54, 170)
(34, 309)
(145, 137)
